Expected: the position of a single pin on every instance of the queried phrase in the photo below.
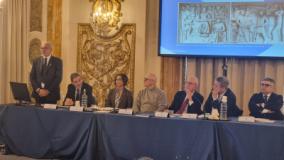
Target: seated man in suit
(76, 90)
(189, 100)
(266, 104)
(220, 89)
(150, 99)
(120, 96)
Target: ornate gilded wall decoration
(54, 25)
(105, 16)
(34, 49)
(36, 16)
(101, 58)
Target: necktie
(45, 62)
(183, 106)
(265, 98)
(77, 98)
(44, 66)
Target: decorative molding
(36, 16)
(105, 16)
(54, 25)
(34, 49)
(99, 59)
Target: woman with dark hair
(119, 97)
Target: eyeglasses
(265, 84)
(190, 82)
(145, 79)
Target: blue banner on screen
(233, 28)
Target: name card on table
(189, 116)
(125, 111)
(161, 114)
(49, 106)
(76, 109)
(263, 120)
(246, 119)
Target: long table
(43, 133)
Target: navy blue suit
(195, 107)
(51, 76)
(89, 91)
(274, 104)
(232, 111)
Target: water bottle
(223, 109)
(84, 100)
(282, 108)
(3, 150)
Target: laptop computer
(20, 92)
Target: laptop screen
(20, 91)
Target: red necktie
(183, 106)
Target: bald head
(151, 76)
(150, 80)
(192, 79)
(47, 49)
(191, 84)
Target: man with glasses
(266, 104)
(46, 76)
(188, 100)
(151, 98)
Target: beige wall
(134, 11)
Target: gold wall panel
(99, 59)
(34, 49)
(36, 16)
(54, 25)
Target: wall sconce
(105, 16)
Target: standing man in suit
(76, 90)
(266, 103)
(189, 100)
(46, 76)
(120, 96)
(220, 89)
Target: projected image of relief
(255, 23)
(203, 23)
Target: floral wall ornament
(105, 16)
(100, 59)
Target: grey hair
(224, 82)
(268, 79)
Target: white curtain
(244, 75)
(1, 50)
(14, 54)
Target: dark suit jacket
(273, 104)
(232, 110)
(195, 107)
(51, 76)
(126, 99)
(89, 91)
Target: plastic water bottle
(223, 109)
(282, 108)
(84, 100)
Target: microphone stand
(225, 67)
